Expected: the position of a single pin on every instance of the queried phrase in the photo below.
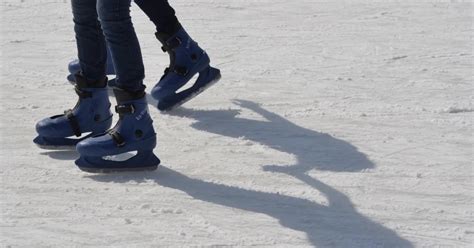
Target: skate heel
(207, 77)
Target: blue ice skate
(90, 116)
(74, 67)
(186, 60)
(133, 134)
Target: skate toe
(52, 127)
(74, 66)
(40, 141)
(70, 78)
(159, 92)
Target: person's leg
(134, 130)
(74, 67)
(161, 14)
(90, 40)
(158, 11)
(91, 115)
(116, 22)
(186, 58)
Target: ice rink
(335, 124)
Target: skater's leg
(91, 115)
(186, 58)
(114, 16)
(92, 59)
(74, 67)
(89, 38)
(161, 14)
(134, 130)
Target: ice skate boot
(74, 67)
(90, 116)
(128, 146)
(186, 60)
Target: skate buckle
(73, 122)
(171, 44)
(125, 109)
(117, 138)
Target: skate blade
(120, 157)
(192, 95)
(142, 161)
(116, 170)
(56, 148)
(61, 143)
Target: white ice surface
(336, 124)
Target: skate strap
(171, 44)
(82, 94)
(83, 82)
(125, 109)
(73, 122)
(117, 138)
(181, 70)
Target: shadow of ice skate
(62, 154)
(337, 224)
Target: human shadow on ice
(313, 150)
(336, 224)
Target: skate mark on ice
(337, 224)
(458, 110)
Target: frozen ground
(340, 124)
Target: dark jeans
(95, 19)
(161, 14)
